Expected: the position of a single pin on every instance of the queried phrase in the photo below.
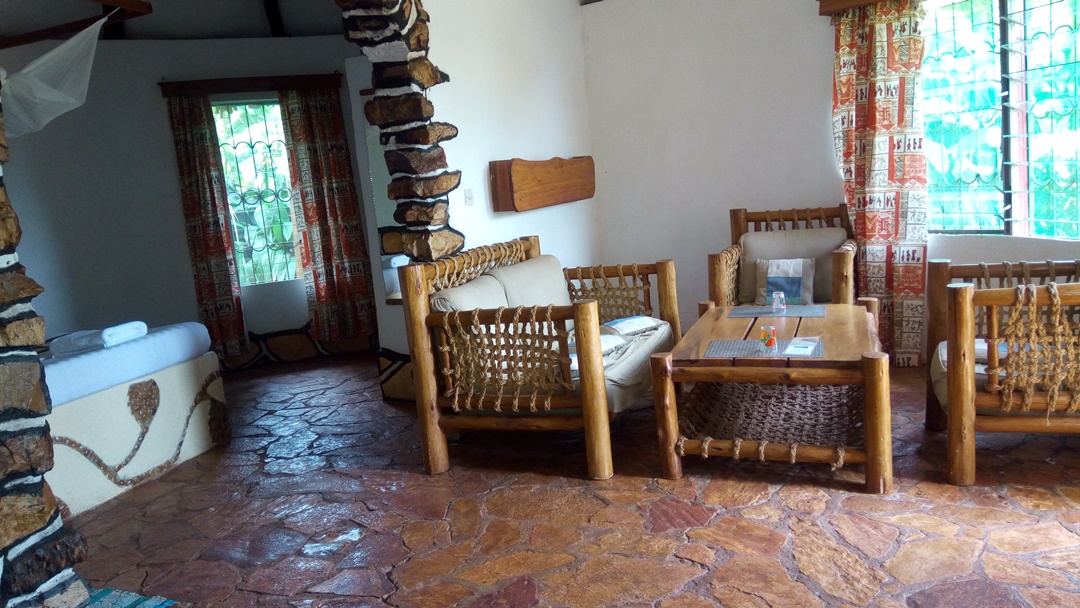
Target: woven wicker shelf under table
(766, 407)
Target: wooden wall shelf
(522, 185)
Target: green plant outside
(256, 166)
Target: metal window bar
(1038, 173)
(255, 163)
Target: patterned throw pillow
(794, 277)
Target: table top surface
(845, 329)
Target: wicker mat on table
(114, 598)
(775, 413)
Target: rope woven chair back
(627, 294)
(1008, 275)
(519, 356)
(463, 267)
(1042, 349)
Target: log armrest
(724, 276)
(843, 273)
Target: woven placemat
(752, 348)
(744, 312)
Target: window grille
(1000, 92)
(256, 167)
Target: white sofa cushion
(481, 292)
(816, 243)
(536, 282)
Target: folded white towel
(80, 342)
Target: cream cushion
(481, 292)
(536, 282)
(627, 372)
(816, 243)
(939, 366)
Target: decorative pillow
(794, 277)
(630, 326)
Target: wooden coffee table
(851, 357)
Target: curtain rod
(250, 85)
(831, 7)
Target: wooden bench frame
(942, 272)
(965, 402)
(424, 328)
(724, 266)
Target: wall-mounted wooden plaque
(521, 185)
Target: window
(256, 166)
(1000, 92)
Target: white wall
(965, 249)
(97, 190)
(517, 90)
(698, 107)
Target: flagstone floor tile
(320, 501)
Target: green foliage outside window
(256, 166)
(986, 175)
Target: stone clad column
(394, 36)
(36, 549)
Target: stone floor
(320, 501)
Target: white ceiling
(174, 19)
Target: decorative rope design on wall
(625, 296)
(1043, 352)
(523, 358)
(463, 267)
(139, 410)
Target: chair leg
(432, 439)
(936, 420)
(598, 442)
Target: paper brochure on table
(802, 347)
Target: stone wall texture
(36, 549)
(393, 34)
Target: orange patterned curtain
(333, 249)
(878, 130)
(206, 222)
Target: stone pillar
(36, 549)
(394, 36)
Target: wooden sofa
(511, 367)
(727, 283)
(1010, 364)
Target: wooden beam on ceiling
(273, 17)
(128, 9)
(584, 2)
(831, 7)
(252, 84)
(135, 6)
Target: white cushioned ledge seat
(939, 366)
(816, 243)
(540, 282)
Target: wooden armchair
(510, 367)
(726, 280)
(1003, 275)
(1032, 379)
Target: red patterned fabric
(333, 249)
(879, 137)
(206, 220)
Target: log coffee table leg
(877, 423)
(667, 416)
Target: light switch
(468, 197)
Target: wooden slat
(831, 7)
(1069, 292)
(510, 423)
(766, 375)
(587, 272)
(135, 6)
(998, 271)
(844, 330)
(776, 452)
(521, 185)
(64, 30)
(1027, 424)
(249, 85)
(991, 402)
